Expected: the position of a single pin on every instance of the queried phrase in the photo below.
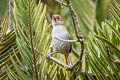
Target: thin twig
(62, 64)
(58, 62)
(64, 4)
(10, 16)
(77, 31)
(63, 40)
(73, 16)
(71, 68)
(31, 41)
(75, 52)
(75, 21)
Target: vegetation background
(24, 48)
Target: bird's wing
(69, 38)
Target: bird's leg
(50, 50)
(70, 62)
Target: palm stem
(31, 42)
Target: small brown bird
(59, 31)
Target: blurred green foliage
(3, 9)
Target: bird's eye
(58, 18)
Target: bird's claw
(49, 55)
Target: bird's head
(57, 20)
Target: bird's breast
(60, 46)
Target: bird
(60, 31)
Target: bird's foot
(49, 55)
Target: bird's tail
(67, 60)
